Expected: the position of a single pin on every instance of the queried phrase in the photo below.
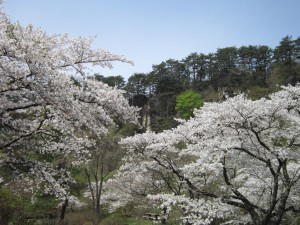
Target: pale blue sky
(151, 31)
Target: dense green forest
(256, 70)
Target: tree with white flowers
(235, 162)
(44, 114)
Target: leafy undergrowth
(87, 217)
(136, 218)
(115, 220)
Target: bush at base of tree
(12, 207)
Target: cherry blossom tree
(105, 159)
(47, 119)
(236, 162)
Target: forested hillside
(255, 70)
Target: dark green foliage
(196, 66)
(296, 221)
(168, 85)
(138, 100)
(13, 207)
(136, 84)
(113, 81)
(8, 204)
(78, 174)
(162, 111)
(287, 55)
(44, 207)
(285, 52)
(227, 58)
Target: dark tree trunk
(63, 209)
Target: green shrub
(186, 102)
(13, 207)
